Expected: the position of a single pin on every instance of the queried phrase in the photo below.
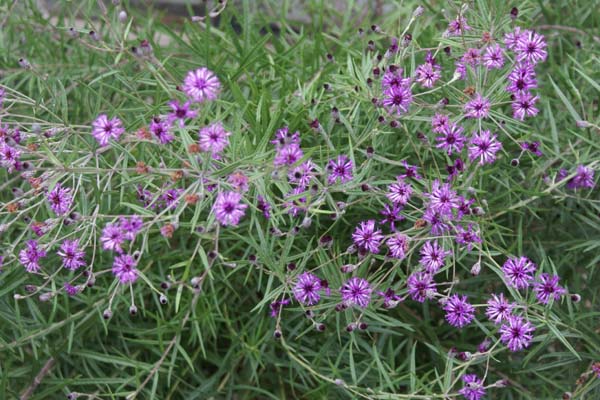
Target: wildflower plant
(213, 209)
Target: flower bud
(163, 299)
(122, 16)
(107, 314)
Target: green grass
(218, 342)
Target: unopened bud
(163, 299)
(107, 314)
(476, 269)
(123, 16)
(23, 63)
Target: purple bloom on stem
(340, 170)
(295, 204)
(70, 289)
(302, 174)
(161, 130)
(390, 298)
(391, 215)
(524, 105)
(584, 178)
(471, 57)
(181, 112)
(451, 139)
(397, 99)
(516, 333)
(30, 256)
(288, 155)
(511, 39)
(522, 79)
(411, 171)
(393, 79)
(458, 26)
(264, 207)
(356, 291)
(437, 221)
(9, 156)
(60, 199)
(131, 226)
(365, 237)
(421, 286)
(112, 238)
(277, 305)
(479, 107)
(228, 208)
(307, 289)
(398, 245)
(433, 256)
(201, 85)
(484, 146)
(104, 129)
(548, 288)
(533, 147)
(427, 74)
(171, 197)
(439, 122)
(493, 58)
(467, 237)
(458, 311)
(442, 198)
(72, 256)
(399, 193)
(531, 47)
(214, 138)
(498, 309)
(519, 272)
(473, 388)
(284, 137)
(124, 268)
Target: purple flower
(171, 197)
(228, 208)
(105, 129)
(277, 305)
(458, 26)
(516, 333)
(498, 309)
(458, 311)
(467, 237)
(161, 130)
(421, 286)
(264, 207)
(433, 256)
(473, 388)
(439, 122)
(533, 147)
(9, 156)
(511, 39)
(524, 105)
(295, 204)
(302, 174)
(397, 99)
(548, 288)
(427, 74)
(522, 79)
(442, 198)
(31, 255)
(531, 47)
(390, 298)
(411, 171)
(437, 221)
(213, 138)
(493, 58)
(340, 170)
(124, 268)
(307, 289)
(393, 79)
(584, 178)
(451, 138)
(398, 245)
(366, 237)
(399, 193)
(391, 215)
(72, 256)
(131, 226)
(70, 289)
(201, 85)
(180, 112)
(288, 155)
(356, 291)
(284, 137)
(479, 107)
(484, 146)
(519, 272)
(464, 208)
(60, 199)
(112, 238)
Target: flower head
(228, 208)
(356, 291)
(399, 192)
(531, 47)
(161, 129)
(479, 107)
(516, 333)
(439, 122)
(366, 237)
(421, 286)
(473, 388)
(201, 85)
(451, 139)
(427, 74)
(524, 105)
(288, 155)
(302, 174)
(458, 26)
(214, 138)
(72, 256)
(31, 255)
(104, 129)
(498, 309)
(398, 245)
(307, 289)
(131, 226)
(548, 288)
(433, 256)
(124, 268)
(584, 178)
(459, 312)
(442, 198)
(519, 272)
(340, 170)
(484, 146)
(60, 199)
(397, 99)
(112, 238)
(493, 58)
(180, 112)
(522, 79)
